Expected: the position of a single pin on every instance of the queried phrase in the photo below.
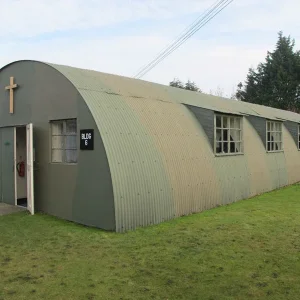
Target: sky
(121, 36)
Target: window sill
(228, 154)
(63, 163)
(275, 151)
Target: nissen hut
(118, 153)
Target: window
(228, 134)
(64, 144)
(299, 136)
(274, 136)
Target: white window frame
(229, 128)
(273, 132)
(299, 137)
(64, 134)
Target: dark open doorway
(21, 179)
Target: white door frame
(29, 166)
(15, 165)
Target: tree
(276, 82)
(219, 92)
(189, 85)
(177, 83)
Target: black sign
(87, 139)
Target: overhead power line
(191, 30)
(180, 36)
(217, 8)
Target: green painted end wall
(80, 192)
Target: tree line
(275, 82)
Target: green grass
(247, 250)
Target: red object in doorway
(21, 168)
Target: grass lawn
(247, 250)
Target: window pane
(232, 122)
(299, 137)
(218, 121)
(232, 147)
(57, 142)
(219, 147)
(239, 135)
(225, 135)
(234, 135)
(71, 156)
(71, 142)
(57, 155)
(279, 137)
(238, 147)
(57, 128)
(218, 135)
(71, 127)
(268, 126)
(238, 123)
(225, 147)
(278, 126)
(225, 122)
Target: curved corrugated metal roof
(93, 80)
(111, 84)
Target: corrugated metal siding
(206, 118)
(255, 155)
(142, 192)
(292, 157)
(292, 128)
(278, 169)
(161, 160)
(174, 135)
(260, 126)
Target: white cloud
(206, 63)
(222, 58)
(267, 15)
(28, 18)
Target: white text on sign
(86, 137)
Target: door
(7, 167)
(29, 168)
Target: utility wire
(178, 38)
(213, 12)
(181, 39)
(199, 25)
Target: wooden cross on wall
(11, 88)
